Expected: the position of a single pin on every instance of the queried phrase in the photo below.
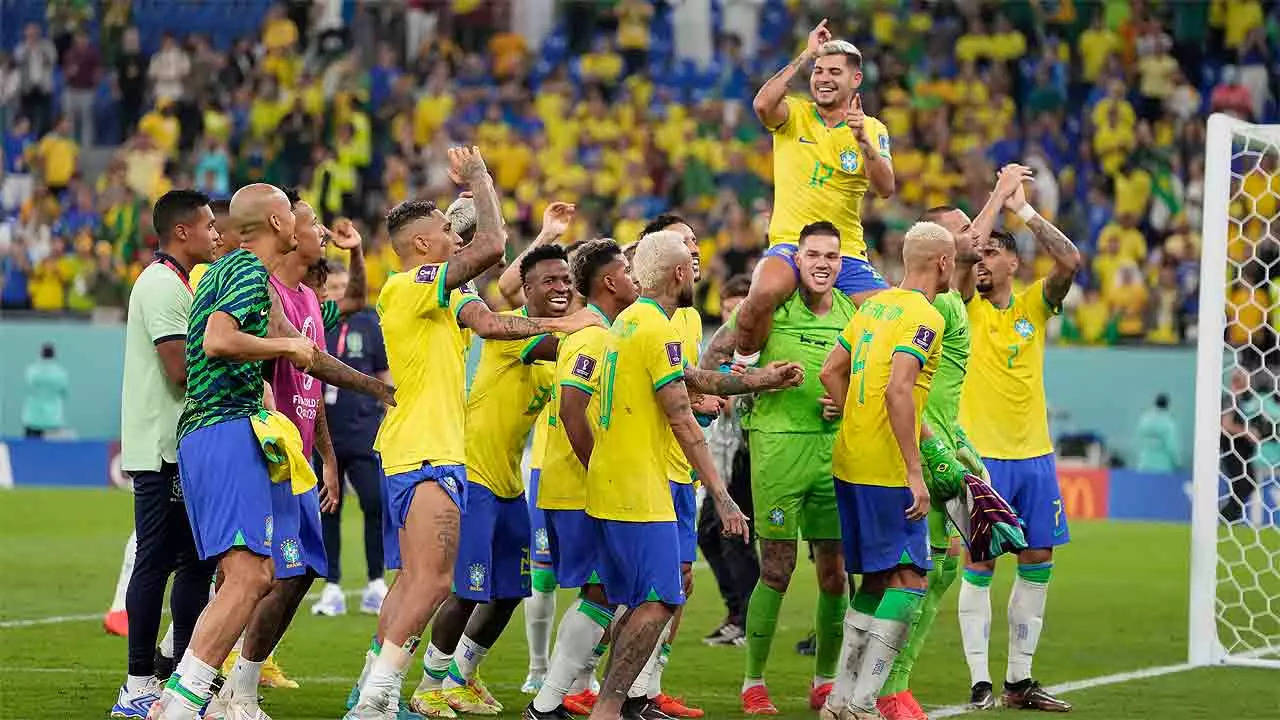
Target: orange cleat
(755, 701)
(580, 703)
(116, 622)
(675, 707)
(892, 707)
(818, 695)
(911, 707)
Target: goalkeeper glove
(945, 476)
(967, 454)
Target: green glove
(968, 455)
(945, 475)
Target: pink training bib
(298, 395)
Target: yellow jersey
(819, 173)
(688, 324)
(627, 476)
(1002, 406)
(197, 272)
(425, 355)
(893, 321)
(507, 395)
(563, 482)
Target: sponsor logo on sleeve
(924, 338)
(884, 146)
(675, 355)
(584, 366)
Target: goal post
(1234, 603)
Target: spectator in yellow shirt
(633, 32)
(162, 126)
(58, 154)
(278, 31)
(973, 44)
(1092, 317)
(49, 278)
(1132, 190)
(1095, 45)
(1242, 16)
(1129, 300)
(1006, 43)
(602, 65)
(1162, 323)
(1129, 240)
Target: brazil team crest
(777, 517)
(291, 553)
(541, 542)
(1024, 327)
(449, 483)
(475, 575)
(849, 161)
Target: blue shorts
(299, 543)
(541, 553)
(1031, 487)
(493, 550)
(572, 535)
(639, 562)
(231, 501)
(856, 275)
(397, 495)
(875, 531)
(685, 498)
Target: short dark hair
(589, 260)
(664, 220)
(220, 207)
(1162, 401)
(174, 207)
(1006, 240)
(406, 212)
(935, 212)
(736, 286)
(293, 196)
(537, 255)
(629, 251)
(821, 227)
(46, 351)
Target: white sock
(587, 680)
(643, 685)
(539, 613)
(166, 642)
(466, 660)
(856, 626)
(975, 629)
(884, 640)
(135, 683)
(381, 688)
(126, 572)
(379, 585)
(1026, 619)
(243, 680)
(435, 667)
(748, 683)
(369, 657)
(576, 640)
(664, 654)
(818, 680)
(195, 678)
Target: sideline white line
(55, 619)
(1068, 687)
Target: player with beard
(237, 324)
(826, 154)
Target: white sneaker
(245, 709)
(135, 705)
(533, 683)
(332, 602)
(374, 594)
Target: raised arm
(573, 415)
(490, 239)
(769, 101)
(1009, 179)
(555, 221)
(1066, 257)
(348, 238)
(774, 376)
(500, 326)
(879, 167)
(674, 399)
(903, 421)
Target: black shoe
(560, 713)
(807, 646)
(981, 697)
(164, 666)
(642, 709)
(1028, 695)
(726, 635)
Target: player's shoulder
(842, 304)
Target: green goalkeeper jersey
(942, 408)
(800, 336)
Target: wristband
(746, 360)
(1026, 212)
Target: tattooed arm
(1066, 257)
(769, 101)
(774, 376)
(500, 326)
(331, 484)
(1008, 180)
(720, 350)
(490, 239)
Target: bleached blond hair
(657, 254)
(924, 242)
(852, 54)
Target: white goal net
(1235, 555)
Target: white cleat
(533, 683)
(332, 602)
(372, 710)
(374, 594)
(238, 710)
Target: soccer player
(155, 376)
(643, 401)
(878, 377)
(941, 410)
(424, 311)
(511, 386)
(297, 544)
(600, 275)
(826, 154)
(1003, 408)
(791, 438)
(228, 238)
(235, 325)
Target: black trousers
(365, 475)
(165, 546)
(735, 564)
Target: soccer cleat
(981, 697)
(374, 594)
(675, 707)
(332, 602)
(134, 706)
(482, 691)
(372, 710)
(808, 646)
(164, 665)
(465, 699)
(892, 707)
(244, 710)
(116, 622)
(581, 703)
(273, 675)
(533, 683)
(532, 713)
(353, 697)
(727, 635)
(818, 695)
(1029, 695)
(908, 702)
(431, 704)
(755, 701)
(642, 708)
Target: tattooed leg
(635, 641)
(430, 545)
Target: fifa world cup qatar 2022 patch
(584, 366)
(675, 354)
(924, 337)
(427, 274)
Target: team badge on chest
(849, 161)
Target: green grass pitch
(1118, 604)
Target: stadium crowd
(355, 104)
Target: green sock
(762, 621)
(829, 629)
(944, 572)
